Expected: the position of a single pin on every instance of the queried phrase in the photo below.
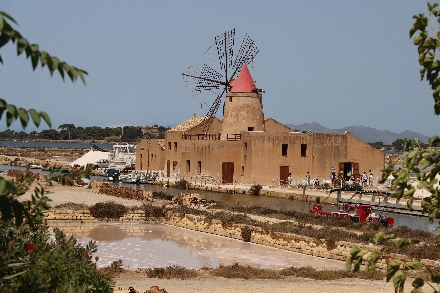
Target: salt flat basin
(160, 245)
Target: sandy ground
(60, 194)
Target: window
(242, 170)
(230, 99)
(199, 167)
(245, 146)
(169, 145)
(250, 129)
(175, 163)
(284, 148)
(303, 150)
(188, 166)
(175, 146)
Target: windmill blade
(211, 113)
(210, 78)
(225, 49)
(246, 53)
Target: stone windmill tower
(243, 109)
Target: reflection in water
(151, 246)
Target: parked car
(103, 163)
(111, 175)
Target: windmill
(217, 69)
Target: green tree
(28, 261)
(398, 144)
(419, 159)
(67, 131)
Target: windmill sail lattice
(219, 65)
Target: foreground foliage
(420, 161)
(30, 260)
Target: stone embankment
(338, 250)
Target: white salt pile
(91, 157)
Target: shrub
(246, 233)
(170, 272)
(255, 189)
(181, 184)
(244, 272)
(153, 211)
(162, 195)
(108, 210)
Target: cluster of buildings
(247, 148)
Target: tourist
(364, 179)
(289, 179)
(333, 174)
(308, 178)
(371, 177)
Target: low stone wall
(291, 242)
(101, 187)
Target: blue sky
(339, 63)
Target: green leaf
(21, 45)
(46, 118)
(24, 117)
(402, 242)
(399, 281)
(4, 39)
(34, 59)
(380, 238)
(53, 65)
(393, 267)
(2, 13)
(418, 283)
(372, 261)
(413, 266)
(435, 278)
(35, 117)
(81, 75)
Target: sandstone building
(247, 148)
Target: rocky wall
(339, 250)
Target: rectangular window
(242, 170)
(199, 167)
(284, 148)
(175, 163)
(245, 146)
(303, 150)
(250, 129)
(175, 146)
(188, 166)
(169, 145)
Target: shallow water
(159, 245)
(415, 222)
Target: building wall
(314, 152)
(242, 111)
(271, 125)
(206, 158)
(149, 155)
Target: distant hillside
(367, 134)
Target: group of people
(364, 179)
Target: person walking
(371, 179)
(364, 179)
(308, 178)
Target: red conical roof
(244, 82)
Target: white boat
(123, 155)
(35, 167)
(129, 178)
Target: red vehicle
(357, 213)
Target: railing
(233, 136)
(201, 136)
